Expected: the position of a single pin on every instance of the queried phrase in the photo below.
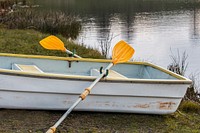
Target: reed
(46, 22)
(179, 65)
(5, 7)
(193, 93)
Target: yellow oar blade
(52, 43)
(122, 52)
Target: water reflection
(153, 27)
(196, 23)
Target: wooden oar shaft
(82, 97)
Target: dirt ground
(33, 121)
(29, 121)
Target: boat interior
(83, 67)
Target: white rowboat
(54, 83)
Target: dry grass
(46, 22)
(27, 121)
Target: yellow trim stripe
(90, 78)
(166, 71)
(87, 60)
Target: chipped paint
(166, 105)
(142, 106)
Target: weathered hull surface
(44, 91)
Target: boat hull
(55, 83)
(43, 93)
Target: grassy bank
(26, 121)
(27, 42)
(186, 120)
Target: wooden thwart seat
(27, 68)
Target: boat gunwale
(180, 79)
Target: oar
(122, 52)
(54, 43)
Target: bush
(5, 7)
(189, 106)
(179, 65)
(46, 22)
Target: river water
(155, 28)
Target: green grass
(94, 122)
(27, 42)
(188, 106)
